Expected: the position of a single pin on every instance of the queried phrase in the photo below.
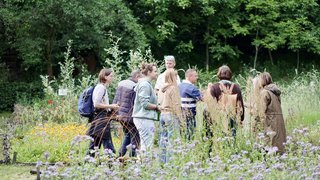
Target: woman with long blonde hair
(170, 104)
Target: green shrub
(13, 92)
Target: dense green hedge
(13, 92)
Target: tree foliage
(208, 31)
(40, 30)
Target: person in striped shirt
(190, 94)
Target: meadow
(51, 134)
(51, 140)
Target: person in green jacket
(145, 110)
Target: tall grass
(301, 99)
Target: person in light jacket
(170, 102)
(145, 110)
(271, 112)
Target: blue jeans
(131, 136)
(168, 128)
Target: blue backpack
(85, 103)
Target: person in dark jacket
(124, 97)
(225, 87)
(190, 95)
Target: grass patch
(14, 172)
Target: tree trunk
(49, 53)
(270, 56)
(255, 57)
(298, 60)
(207, 49)
(207, 56)
(256, 53)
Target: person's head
(224, 73)
(170, 62)
(135, 75)
(170, 76)
(265, 79)
(105, 76)
(149, 70)
(191, 75)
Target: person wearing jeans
(170, 103)
(145, 110)
(124, 97)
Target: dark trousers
(191, 125)
(131, 137)
(100, 131)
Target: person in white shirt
(170, 63)
(100, 127)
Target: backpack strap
(226, 90)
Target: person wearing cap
(170, 63)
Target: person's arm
(237, 91)
(117, 98)
(159, 83)
(178, 79)
(264, 103)
(98, 94)
(196, 94)
(144, 95)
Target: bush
(13, 92)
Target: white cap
(169, 58)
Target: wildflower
(96, 176)
(258, 177)
(46, 155)
(316, 175)
(271, 150)
(248, 142)
(244, 152)
(50, 101)
(59, 164)
(261, 136)
(39, 163)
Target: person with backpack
(270, 112)
(189, 94)
(100, 126)
(170, 117)
(145, 109)
(125, 96)
(229, 101)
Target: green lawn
(16, 172)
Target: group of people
(138, 105)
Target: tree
(298, 26)
(263, 18)
(184, 27)
(39, 30)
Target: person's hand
(114, 106)
(159, 108)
